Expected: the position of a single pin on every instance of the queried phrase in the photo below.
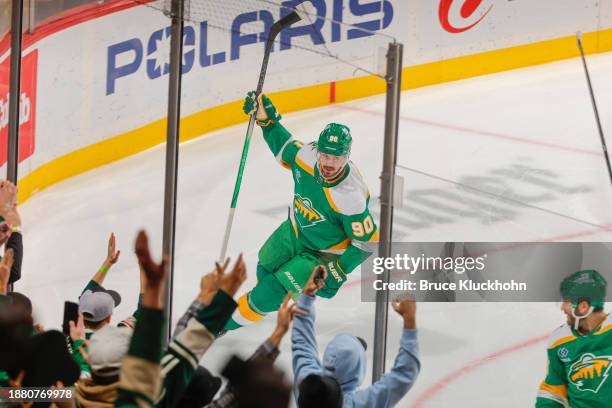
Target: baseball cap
(107, 348)
(98, 303)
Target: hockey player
(580, 352)
(329, 221)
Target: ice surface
(522, 137)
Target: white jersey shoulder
(308, 155)
(607, 323)
(351, 194)
(560, 333)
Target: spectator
(22, 301)
(201, 390)
(30, 360)
(96, 303)
(10, 227)
(187, 348)
(106, 350)
(5, 272)
(140, 373)
(344, 361)
(109, 345)
(97, 308)
(140, 370)
(257, 384)
(267, 352)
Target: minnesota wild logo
(590, 372)
(305, 214)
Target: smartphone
(319, 276)
(71, 313)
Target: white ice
(528, 134)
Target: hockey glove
(266, 111)
(335, 278)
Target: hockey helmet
(335, 139)
(586, 285)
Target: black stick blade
(289, 19)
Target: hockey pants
(284, 266)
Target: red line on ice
(441, 384)
(481, 132)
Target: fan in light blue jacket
(345, 360)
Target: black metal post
(172, 144)
(14, 94)
(387, 186)
(14, 90)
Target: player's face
(330, 164)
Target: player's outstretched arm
(217, 290)
(303, 337)
(392, 387)
(112, 255)
(286, 313)
(140, 369)
(277, 137)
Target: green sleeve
(91, 285)
(282, 145)
(553, 390)
(215, 316)
(4, 379)
(140, 370)
(362, 230)
(78, 357)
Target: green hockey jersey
(330, 216)
(579, 368)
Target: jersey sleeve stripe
(341, 245)
(557, 393)
(330, 200)
(604, 329)
(374, 237)
(245, 310)
(562, 341)
(279, 155)
(304, 166)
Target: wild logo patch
(590, 372)
(305, 214)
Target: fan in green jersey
(329, 222)
(580, 352)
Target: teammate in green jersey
(329, 222)
(580, 352)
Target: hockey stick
(588, 78)
(276, 28)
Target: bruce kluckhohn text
(429, 268)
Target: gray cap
(107, 348)
(98, 304)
